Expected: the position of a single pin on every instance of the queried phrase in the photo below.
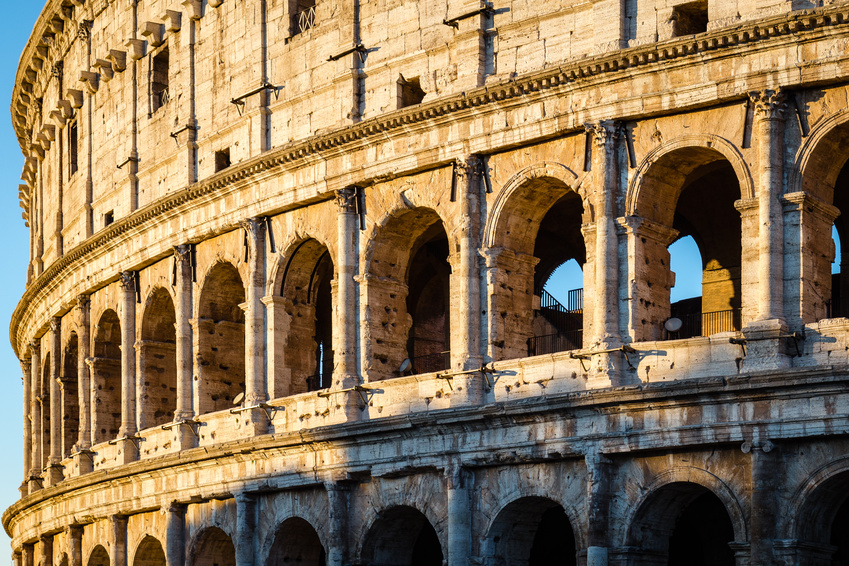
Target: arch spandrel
(816, 169)
(649, 190)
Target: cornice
(507, 92)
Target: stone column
(598, 497)
(28, 555)
(277, 332)
(605, 167)
(75, 544)
(245, 528)
(83, 310)
(459, 516)
(37, 461)
(766, 473)
(183, 311)
(118, 556)
(256, 389)
(127, 432)
(465, 336)
(26, 370)
(17, 558)
(54, 468)
(45, 554)
(769, 123)
(346, 372)
(175, 535)
(749, 291)
(337, 524)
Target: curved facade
(287, 294)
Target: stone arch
(302, 311)
(220, 342)
(534, 226)
(816, 170)
(531, 531)
(530, 176)
(296, 541)
(694, 146)
(407, 284)
(149, 553)
(98, 557)
(690, 186)
(652, 519)
(106, 377)
(212, 547)
(157, 359)
(398, 536)
(821, 503)
(70, 395)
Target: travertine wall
(277, 198)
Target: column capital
(183, 254)
(55, 324)
(83, 301)
(26, 365)
(84, 29)
(254, 226)
(769, 104)
(346, 200)
(35, 347)
(128, 280)
(604, 132)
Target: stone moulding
(497, 94)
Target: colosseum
(288, 294)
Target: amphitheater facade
(287, 296)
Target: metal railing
(306, 19)
(569, 323)
(707, 323)
(429, 363)
(553, 343)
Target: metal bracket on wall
(796, 336)
(358, 388)
(453, 22)
(358, 48)
(188, 422)
(239, 101)
(625, 349)
(484, 370)
(266, 408)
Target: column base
(128, 449)
(254, 421)
(54, 474)
(767, 345)
(34, 484)
(83, 462)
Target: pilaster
(127, 431)
(183, 268)
(346, 374)
(54, 468)
(255, 420)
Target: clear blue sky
(15, 27)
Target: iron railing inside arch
(306, 19)
(429, 363)
(706, 323)
(568, 320)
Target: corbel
(89, 78)
(153, 32)
(25, 98)
(26, 87)
(119, 60)
(193, 8)
(37, 63)
(75, 97)
(215, 3)
(42, 141)
(67, 109)
(136, 48)
(66, 13)
(28, 177)
(104, 67)
(23, 194)
(31, 73)
(173, 20)
(41, 51)
(49, 132)
(31, 164)
(56, 116)
(78, 3)
(21, 108)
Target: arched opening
(307, 336)
(214, 548)
(44, 400)
(106, 377)
(158, 360)
(689, 193)
(98, 557)
(408, 290)
(536, 240)
(221, 339)
(402, 536)
(532, 531)
(70, 396)
(296, 542)
(839, 302)
(822, 524)
(149, 553)
(428, 299)
(683, 524)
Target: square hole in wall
(108, 218)
(222, 159)
(410, 91)
(690, 18)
